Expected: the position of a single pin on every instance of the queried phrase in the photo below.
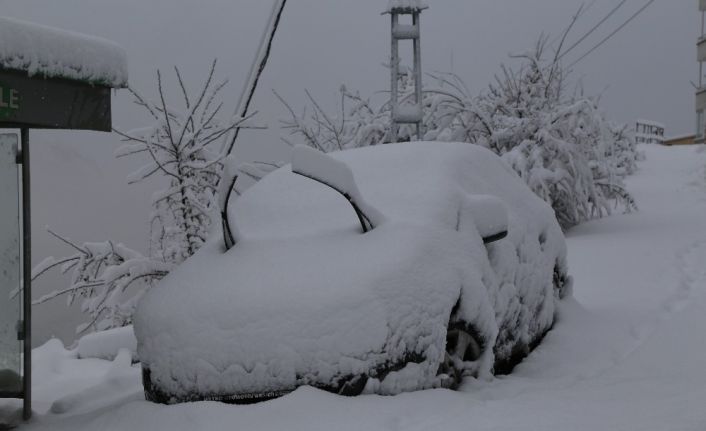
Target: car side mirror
(488, 214)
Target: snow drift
(304, 298)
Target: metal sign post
(11, 326)
(41, 103)
(26, 335)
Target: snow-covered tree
(556, 143)
(181, 146)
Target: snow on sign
(53, 79)
(45, 52)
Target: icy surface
(627, 355)
(54, 53)
(304, 297)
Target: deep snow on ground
(627, 354)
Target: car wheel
(462, 353)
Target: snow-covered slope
(305, 298)
(627, 355)
(50, 52)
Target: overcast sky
(80, 190)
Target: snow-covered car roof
(305, 298)
(419, 183)
(53, 53)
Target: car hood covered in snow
(305, 298)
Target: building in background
(701, 91)
(649, 132)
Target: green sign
(9, 101)
(39, 103)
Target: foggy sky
(80, 189)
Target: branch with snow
(178, 146)
(181, 146)
(109, 278)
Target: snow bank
(117, 383)
(107, 344)
(54, 53)
(304, 298)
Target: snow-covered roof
(405, 6)
(651, 123)
(53, 53)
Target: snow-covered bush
(359, 122)
(561, 145)
(557, 144)
(621, 150)
(179, 146)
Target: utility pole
(407, 114)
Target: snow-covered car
(448, 266)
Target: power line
(582, 10)
(262, 55)
(590, 32)
(607, 38)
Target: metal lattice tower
(407, 114)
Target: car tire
(462, 347)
